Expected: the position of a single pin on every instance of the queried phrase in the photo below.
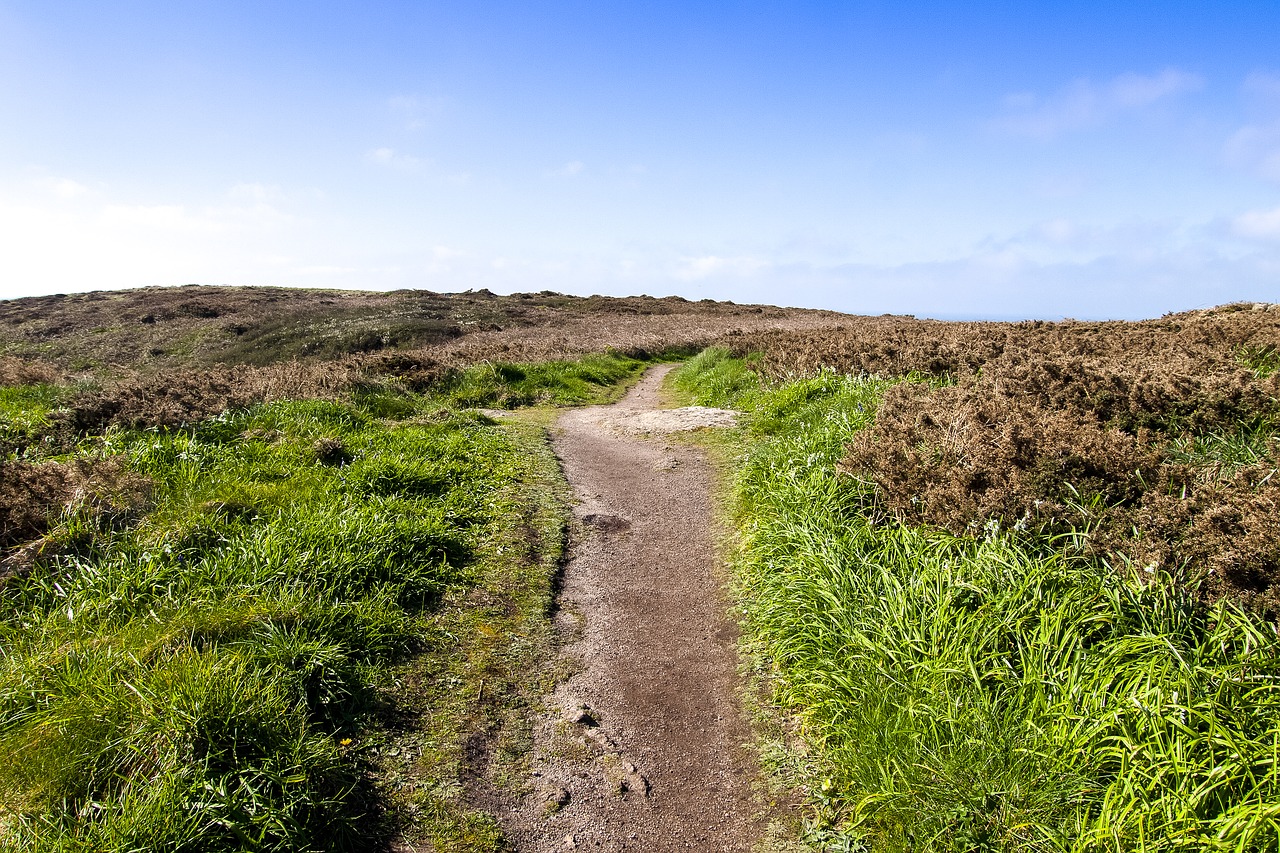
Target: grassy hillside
(269, 580)
(194, 326)
(292, 625)
(963, 679)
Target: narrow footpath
(645, 747)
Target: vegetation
(280, 627)
(561, 383)
(193, 327)
(1159, 439)
(269, 580)
(1002, 690)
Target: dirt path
(645, 748)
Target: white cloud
(1256, 146)
(1263, 86)
(1084, 103)
(570, 169)
(414, 112)
(59, 238)
(1258, 224)
(392, 159)
(158, 218)
(709, 266)
(1059, 230)
(255, 192)
(63, 188)
(327, 271)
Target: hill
(277, 573)
(195, 326)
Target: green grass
(714, 377)
(996, 693)
(1225, 451)
(1262, 359)
(503, 385)
(324, 606)
(25, 409)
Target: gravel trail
(644, 746)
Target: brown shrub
(34, 495)
(415, 371)
(1072, 427)
(177, 397)
(20, 371)
(957, 457)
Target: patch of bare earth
(644, 747)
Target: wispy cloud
(391, 159)
(716, 266)
(1084, 103)
(63, 188)
(1264, 87)
(1258, 224)
(413, 112)
(569, 170)
(1256, 146)
(255, 192)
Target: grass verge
(995, 692)
(314, 630)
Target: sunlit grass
(315, 589)
(24, 410)
(990, 693)
(561, 383)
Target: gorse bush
(996, 691)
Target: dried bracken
(35, 496)
(22, 371)
(1152, 442)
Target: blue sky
(941, 159)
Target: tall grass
(990, 693)
(24, 410)
(506, 385)
(206, 679)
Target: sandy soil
(644, 747)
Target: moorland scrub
(271, 580)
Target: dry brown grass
(23, 371)
(35, 496)
(1081, 428)
(155, 328)
(176, 397)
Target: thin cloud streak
(1082, 103)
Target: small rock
(581, 715)
(634, 782)
(601, 740)
(570, 841)
(556, 799)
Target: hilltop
(200, 326)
